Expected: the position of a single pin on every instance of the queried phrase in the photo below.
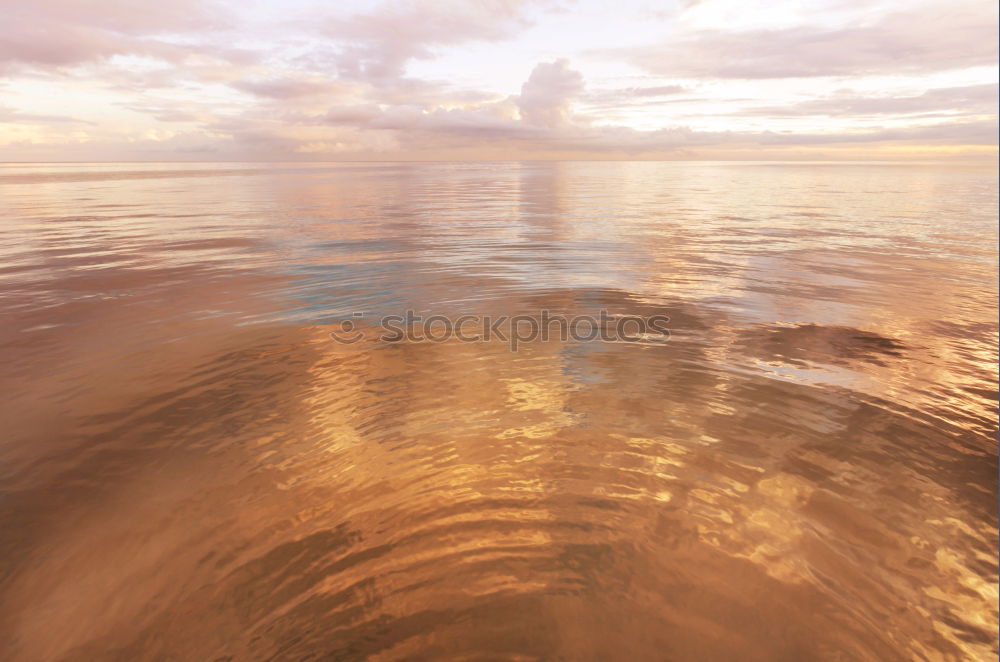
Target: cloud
(378, 44)
(626, 140)
(544, 103)
(927, 38)
(262, 81)
(63, 33)
(546, 96)
(12, 116)
(627, 97)
(658, 91)
(290, 87)
(490, 120)
(356, 114)
(413, 134)
(541, 119)
(965, 100)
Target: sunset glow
(496, 79)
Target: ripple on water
(193, 469)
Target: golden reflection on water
(192, 469)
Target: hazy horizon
(984, 162)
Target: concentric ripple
(192, 469)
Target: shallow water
(193, 469)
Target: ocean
(213, 450)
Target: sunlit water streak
(191, 469)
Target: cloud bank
(204, 80)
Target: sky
(291, 80)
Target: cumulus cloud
(545, 103)
(546, 96)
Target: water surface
(192, 469)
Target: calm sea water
(192, 469)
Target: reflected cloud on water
(807, 469)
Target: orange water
(191, 469)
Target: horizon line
(990, 161)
